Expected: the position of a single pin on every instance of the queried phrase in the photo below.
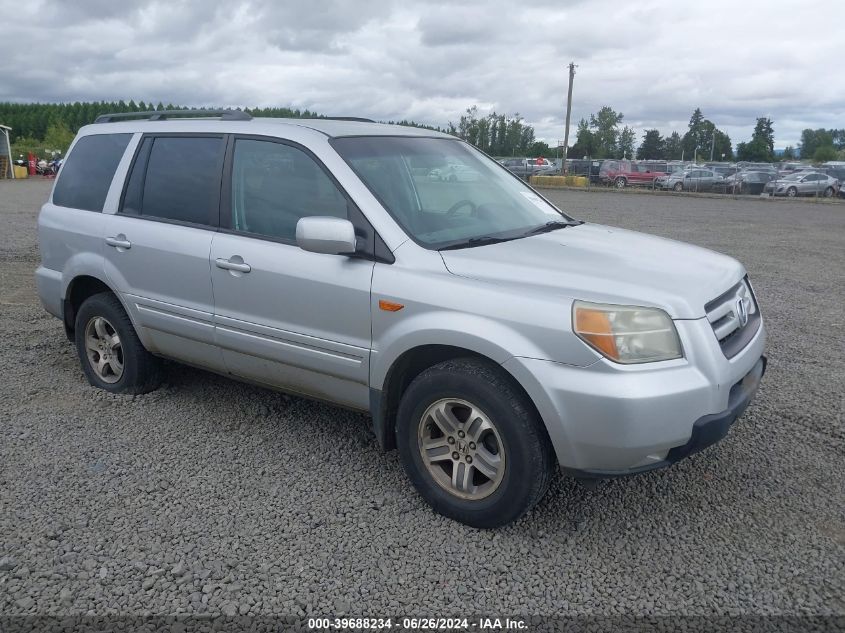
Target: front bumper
(606, 419)
(706, 431)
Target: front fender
(478, 334)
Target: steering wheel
(453, 210)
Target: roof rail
(347, 118)
(161, 115)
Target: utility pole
(568, 113)
(712, 144)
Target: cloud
(652, 60)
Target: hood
(604, 264)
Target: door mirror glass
(327, 235)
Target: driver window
(273, 185)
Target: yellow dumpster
(20, 171)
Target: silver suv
(492, 338)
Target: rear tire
(484, 485)
(621, 183)
(110, 351)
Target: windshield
(443, 192)
(794, 176)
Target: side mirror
(330, 236)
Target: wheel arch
(77, 291)
(384, 402)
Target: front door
(287, 317)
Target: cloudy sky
(655, 61)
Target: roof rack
(161, 115)
(347, 118)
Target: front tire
(621, 183)
(791, 192)
(679, 186)
(112, 356)
(472, 444)
(828, 193)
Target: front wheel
(791, 192)
(620, 183)
(472, 444)
(828, 193)
(679, 186)
(112, 356)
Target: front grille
(726, 317)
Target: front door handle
(119, 241)
(233, 263)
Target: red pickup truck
(623, 173)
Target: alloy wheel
(461, 448)
(104, 350)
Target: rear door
(287, 317)
(70, 225)
(157, 244)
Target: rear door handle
(238, 264)
(119, 242)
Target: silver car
(492, 337)
(693, 179)
(804, 184)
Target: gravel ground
(210, 496)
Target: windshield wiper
(477, 241)
(554, 225)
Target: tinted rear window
(181, 179)
(88, 171)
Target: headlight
(626, 334)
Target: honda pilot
(492, 338)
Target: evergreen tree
(626, 143)
(653, 146)
(674, 147)
(584, 142)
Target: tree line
(52, 126)
(601, 136)
(498, 134)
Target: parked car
(525, 167)
(585, 167)
(661, 182)
(748, 182)
(696, 179)
(622, 173)
(834, 172)
(453, 173)
(492, 337)
(803, 184)
(725, 170)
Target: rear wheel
(111, 354)
(472, 444)
(621, 183)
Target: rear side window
(88, 171)
(176, 178)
